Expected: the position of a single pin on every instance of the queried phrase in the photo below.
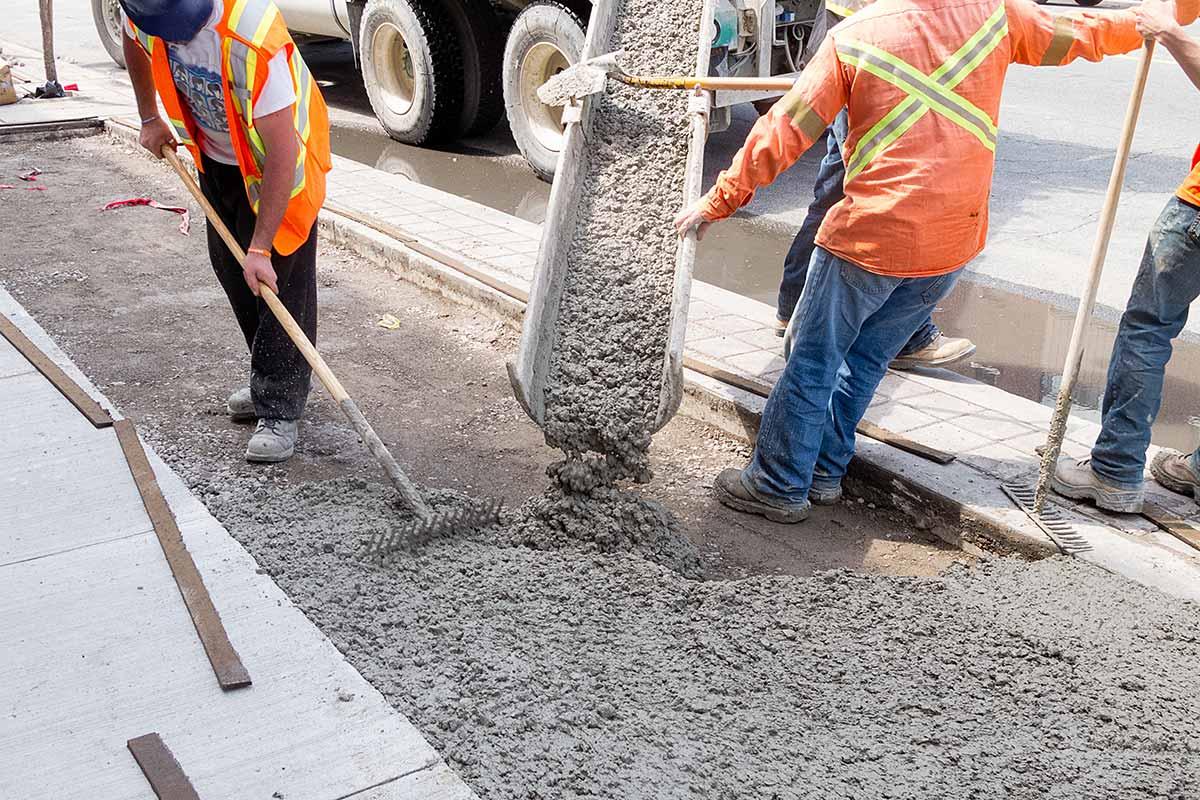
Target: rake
(1033, 499)
(591, 77)
(428, 524)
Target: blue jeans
(827, 192)
(851, 324)
(1167, 283)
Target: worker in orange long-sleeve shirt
(922, 81)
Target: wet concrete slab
(100, 649)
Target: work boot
(825, 495)
(273, 440)
(1077, 480)
(731, 490)
(941, 351)
(1173, 470)
(241, 406)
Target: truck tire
(107, 16)
(412, 69)
(481, 40)
(546, 38)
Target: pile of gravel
(567, 673)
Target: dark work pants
(279, 375)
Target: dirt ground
(137, 306)
(566, 674)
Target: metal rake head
(446, 521)
(580, 80)
(1051, 519)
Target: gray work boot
(941, 351)
(241, 406)
(273, 440)
(1077, 480)
(825, 495)
(1173, 470)
(731, 491)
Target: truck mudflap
(542, 329)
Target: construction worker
(922, 80)
(238, 95)
(928, 347)
(1167, 283)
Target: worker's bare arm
(1156, 20)
(278, 133)
(154, 131)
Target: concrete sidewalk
(99, 647)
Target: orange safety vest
(1189, 190)
(922, 80)
(252, 32)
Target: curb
(879, 472)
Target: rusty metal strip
(1180, 528)
(868, 429)
(437, 254)
(158, 764)
(231, 674)
(94, 412)
(759, 388)
(375, 224)
(457, 263)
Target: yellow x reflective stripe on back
(926, 93)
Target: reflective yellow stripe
(1060, 43)
(951, 73)
(181, 130)
(925, 93)
(252, 20)
(802, 115)
(848, 8)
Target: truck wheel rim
(542, 62)
(393, 68)
(112, 20)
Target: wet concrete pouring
(846, 657)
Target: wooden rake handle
(371, 439)
(1083, 316)
(709, 84)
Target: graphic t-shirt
(196, 68)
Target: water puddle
(1022, 341)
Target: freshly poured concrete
(567, 673)
(98, 646)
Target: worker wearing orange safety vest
(922, 80)
(928, 347)
(240, 98)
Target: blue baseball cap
(172, 20)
